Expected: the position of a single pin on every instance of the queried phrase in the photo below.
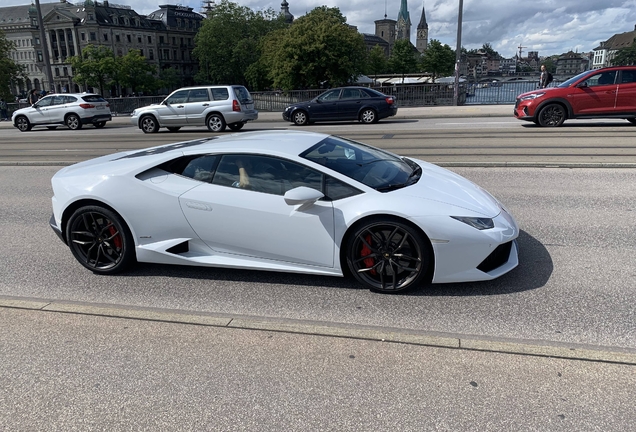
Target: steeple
(284, 10)
(421, 42)
(404, 22)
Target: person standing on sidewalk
(33, 97)
(3, 110)
(546, 77)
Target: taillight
(389, 100)
(107, 105)
(87, 106)
(235, 105)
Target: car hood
(543, 91)
(443, 186)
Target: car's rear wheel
(100, 240)
(368, 116)
(149, 124)
(51, 127)
(99, 125)
(73, 122)
(236, 126)
(552, 115)
(23, 124)
(216, 123)
(174, 128)
(632, 120)
(300, 118)
(388, 256)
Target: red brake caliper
(117, 239)
(369, 262)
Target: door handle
(206, 105)
(179, 106)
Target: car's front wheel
(388, 256)
(552, 115)
(23, 124)
(100, 240)
(149, 124)
(216, 123)
(300, 118)
(236, 126)
(368, 116)
(73, 122)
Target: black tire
(215, 123)
(51, 127)
(23, 124)
(99, 125)
(368, 116)
(149, 124)
(174, 128)
(388, 256)
(300, 118)
(100, 240)
(73, 122)
(632, 120)
(236, 126)
(552, 115)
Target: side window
(331, 95)
(335, 189)
(200, 168)
(178, 97)
(351, 94)
(220, 94)
(47, 101)
(199, 95)
(605, 78)
(628, 77)
(58, 100)
(69, 99)
(265, 174)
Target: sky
(547, 26)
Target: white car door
(258, 222)
(59, 108)
(172, 111)
(198, 103)
(39, 112)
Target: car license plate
(99, 107)
(249, 106)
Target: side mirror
(302, 195)
(581, 85)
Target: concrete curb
(538, 348)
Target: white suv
(71, 109)
(214, 106)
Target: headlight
(132, 114)
(478, 223)
(531, 96)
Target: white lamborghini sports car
(284, 201)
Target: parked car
(344, 103)
(71, 109)
(215, 106)
(290, 201)
(600, 93)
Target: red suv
(600, 93)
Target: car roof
(73, 94)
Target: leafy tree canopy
(95, 67)
(438, 59)
(317, 48)
(9, 70)
(376, 61)
(403, 59)
(625, 56)
(135, 72)
(489, 50)
(229, 42)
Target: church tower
(284, 10)
(404, 22)
(422, 33)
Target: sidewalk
(403, 113)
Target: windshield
(572, 80)
(370, 166)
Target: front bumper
(55, 228)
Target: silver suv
(215, 106)
(71, 109)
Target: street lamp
(458, 53)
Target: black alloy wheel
(369, 116)
(300, 118)
(73, 122)
(100, 240)
(100, 125)
(215, 123)
(23, 124)
(174, 128)
(552, 115)
(236, 126)
(388, 256)
(149, 124)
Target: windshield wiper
(391, 187)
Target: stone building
(391, 31)
(605, 52)
(165, 37)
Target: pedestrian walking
(33, 97)
(3, 110)
(546, 77)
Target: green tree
(438, 59)
(376, 61)
(95, 67)
(625, 56)
(317, 48)
(549, 65)
(403, 58)
(134, 72)
(490, 52)
(10, 71)
(229, 42)
(169, 79)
